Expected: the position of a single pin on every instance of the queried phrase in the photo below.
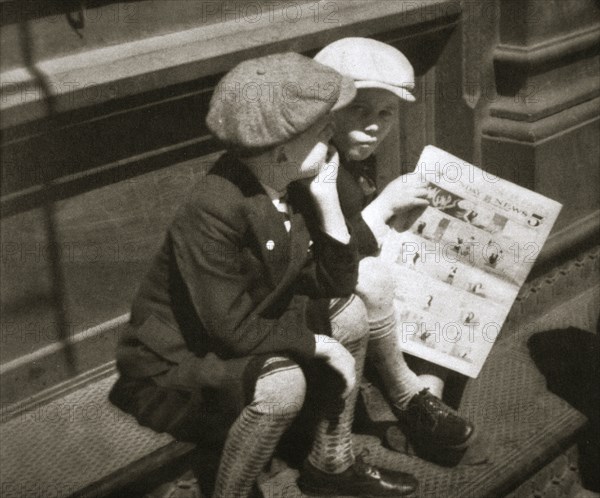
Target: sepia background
(103, 135)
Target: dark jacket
(230, 280)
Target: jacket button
(270, 245)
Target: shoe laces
(365, 468)
(434, 407)
(434, 404)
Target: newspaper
(459, 266)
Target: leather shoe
(361, 479)
(428, 418)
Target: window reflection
(106, 240)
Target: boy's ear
(281, 157)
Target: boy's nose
(373, 127)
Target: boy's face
(308, 151)
(361, 127)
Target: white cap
(372, 64)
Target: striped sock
(332, 449)
(384, 351)
(250, 444)
(251, 441)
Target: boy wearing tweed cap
(251, 293)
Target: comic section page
(459, 266)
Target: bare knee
(374, 280)
(376, 288)
(351, 323)
(280, 392)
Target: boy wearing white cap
(383, 75)
(251, 292)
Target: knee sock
(250, 444)
(434, 383)
(384, 351)
(332, 449)
(254, 435)
(431, 376)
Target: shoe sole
(454, 454)
(459, 446)
(329, 492)
(326, 491)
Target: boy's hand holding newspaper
(399, 198)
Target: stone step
(78, 444)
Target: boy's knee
(351, 324)
(375, 287)
(374, 279)
(282, 391)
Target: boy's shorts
(200, 414)
(191, 414)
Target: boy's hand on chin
(324, 184)
(323, 188)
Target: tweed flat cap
(371, 64)
(267, 101)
